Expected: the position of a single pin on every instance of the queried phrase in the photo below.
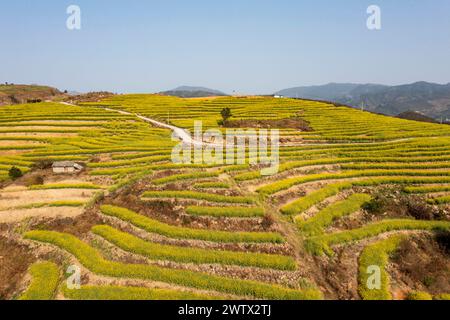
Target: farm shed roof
(64, 164)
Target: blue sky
(246, 46)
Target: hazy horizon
(251, 47)
(218, 89)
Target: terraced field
(355, 192)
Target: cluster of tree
(34, 100)
(226, 114)
(15, 173)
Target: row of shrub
(21, 147)
(365, 146)
(393, 152)
(376, 254)
(141, 155)
(306, 202)
(112, 293)
(351, 162)
(442, 296)
(44, 281)
(185, 176)
(419, 295)
(316, 224)
(317, 196)
(122, 163)
(62, 203)
(427, 189)
(239, 212)
(199, 196)
(154, 167)
(353, 149)
(290, 182)
(288, 166)
(65, 186)
(93, 260)
(211, 185)
(14, 161)
(42, 130)
(51, 124)
(158, 227)
(439, 200)
(157, 251)
(129, 180)
(396, 166)
(321, 244)
(234, 168)
(77, 151)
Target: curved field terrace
(358, 207)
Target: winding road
(180, 133)
(186, 137)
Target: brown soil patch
(26, 197)
(293, 123)
(7, 143)
(422, 263)
(337, 276)
(89, 97)
(390, 202)
(78, 226)
(73, 178)
(17, 215)
(15, 260)
(16, 94)
(5, 153)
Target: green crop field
(349, 192)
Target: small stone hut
(66, 167)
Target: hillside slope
(16, 94)
(416, 116)
(372, 189)
(430, 99)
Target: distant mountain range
(193, 92)
(421, 101)
(430, 99)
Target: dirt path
(186, 137)
(180, 133)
